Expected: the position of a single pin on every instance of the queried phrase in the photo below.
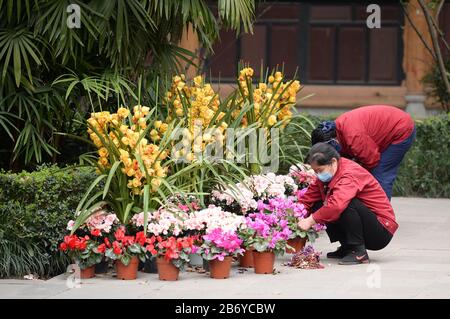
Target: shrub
(34, 210)
(425, 171)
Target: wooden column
(190, 42)
(417, 60)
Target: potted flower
(219, 247)
(173, 242)
(84, 251)
(243, 198)
(172, 255)
(131, 168)
(267, 234)
(96, 227)
(209, 219)
(189, 204)
(291, 211)
(126, 250)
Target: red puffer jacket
(350, 181)
(367, 131)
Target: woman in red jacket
(350, 202)
(376, 136)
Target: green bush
(425, 171)
(34, 210)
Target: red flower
(63, 246)
(96, 232)
(116, 248)
(107, 243)
(150, 240)
(119, 234)
(140, 238)
(151, 249)
(128, 240)
(101, 248)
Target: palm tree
(52, 74)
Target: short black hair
(322, 154)
(318, 136)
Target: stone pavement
(416, 264)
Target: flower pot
(167, 270)
(246, 260)
(195, 260)
(297, 243)
(87, 272)
(220, 269)
(129, 271)
(263, 262)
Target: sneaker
(355, 258)
(341, 252)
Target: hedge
(34, 210)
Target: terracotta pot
(263, 262)
(220, 269)
(246, 260)
(88, 272)
(297, 243)
(167, 270)
(128, 272)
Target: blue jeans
(390, 160)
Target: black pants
(356, 226)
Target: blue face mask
(325, 177)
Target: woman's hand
(307, 223)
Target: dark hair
(321, 134)
(322, 154)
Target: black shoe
(339, 253)
(355, 257)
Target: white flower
(70, 225)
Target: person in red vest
(350, 202)
(375, 136)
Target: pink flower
(70, 224)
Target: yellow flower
(278, 76)
(179, 112)
(158, 124)
(129, 171)
(136, 182)
(190, 157)
(123, 112)
(125, 140)
(103, 152)
(198, 80)
(156, 182)
(272, 120)
(103, 161)
(271, 79)
(160, 172)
